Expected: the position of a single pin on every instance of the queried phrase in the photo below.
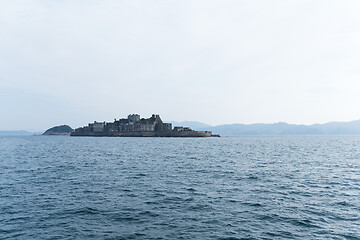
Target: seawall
(147, 134)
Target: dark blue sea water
(300, 187)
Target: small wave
(281, 234)
(253, 177)
(122, 219)
(152, 203)
(252, 204)
(9, 231)
(148, 213)
(272, 217)
(82, 211)
(200, 207)
(342, 218)
(212, 221)
(304, 223)
(141, 174)
(349, 237)
(135, 235)
(343, 203)
(173, 199)
(233, 238)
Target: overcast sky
(218, 62)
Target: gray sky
(72, 62)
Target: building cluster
(133, 123)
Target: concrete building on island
(134, 126)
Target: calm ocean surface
(288, 187)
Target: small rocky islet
(59, 130)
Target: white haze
(72, 62)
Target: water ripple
(160, 188)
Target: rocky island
(59, 130)
(134, 126)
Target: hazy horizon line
(210, 125)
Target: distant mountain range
(237, 129)
(192, 124)
(332, 128)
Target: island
(59, 130)
(134, 126)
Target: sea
(250, 187)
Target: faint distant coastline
(331, 128)
(59, 130)
(18, 133)
(237, 129)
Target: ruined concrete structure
(134, 126)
